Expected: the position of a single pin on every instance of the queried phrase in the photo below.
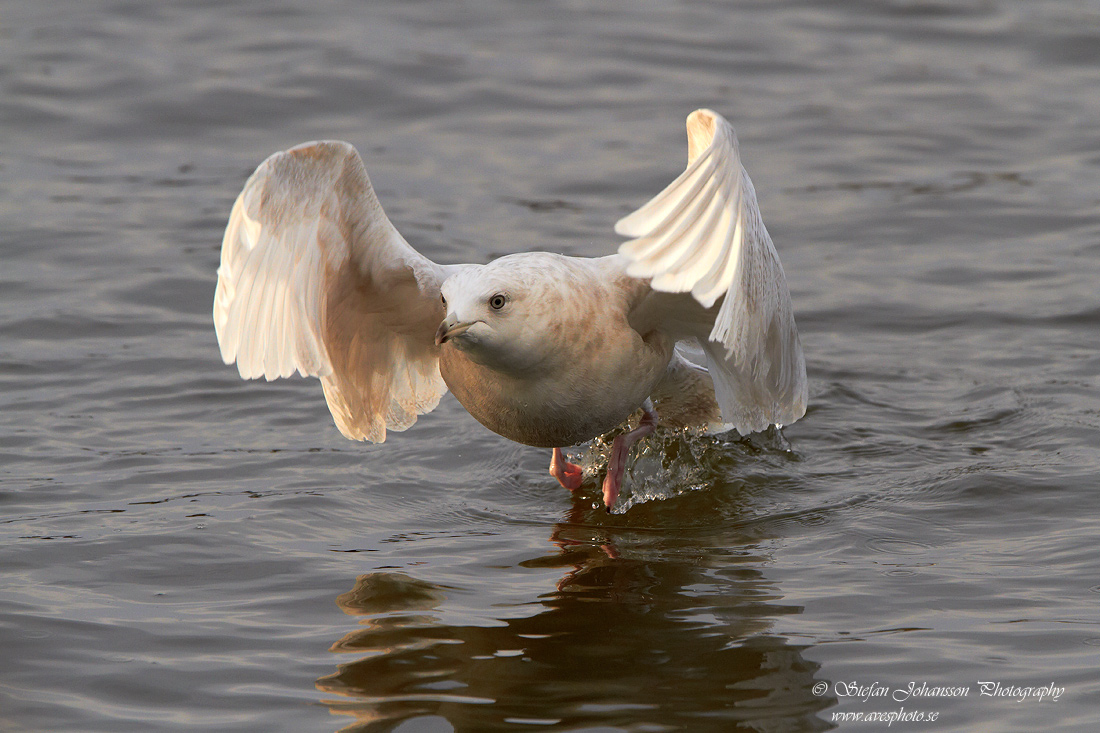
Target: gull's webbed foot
(620, 450)
(568, 474)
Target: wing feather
(664, 208)
(315, 279)
(716, 278)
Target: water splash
(673, 462)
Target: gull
(690, 322)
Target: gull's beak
(450, 328)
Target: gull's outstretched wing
(315, 279)
(703, 235)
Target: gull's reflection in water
(654, 637)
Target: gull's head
(497, 314)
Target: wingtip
(705, 118)
(703, 115)
(701, 126)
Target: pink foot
(568, 474)
(620, 450)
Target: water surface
(186, 551)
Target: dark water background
(180, 550)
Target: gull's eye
(497, 301)
(443, 299)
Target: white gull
(691, 320)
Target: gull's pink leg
(620, 449)
(568, 474)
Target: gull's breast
(586, 393)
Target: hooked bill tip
(449, 329)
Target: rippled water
(185, 551)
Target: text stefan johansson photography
(923, 689)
